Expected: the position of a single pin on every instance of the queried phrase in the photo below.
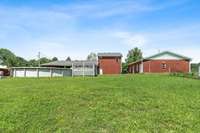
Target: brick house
(110, 63)
(164, 62)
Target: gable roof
(58, 63)
(170, 53)
(160, 54)
(109, 55)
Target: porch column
(190, 67)
(38, 72)
(142, 67)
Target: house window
(164, 65)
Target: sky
(75, 28)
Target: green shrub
(185, 75)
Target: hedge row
(186, 75)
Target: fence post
(15, 73)
(24, 72)
(72, 69)
(83, 69)
(38, 71)
(63, 72)
(51, 72)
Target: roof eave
(137, 61)
(168, 52)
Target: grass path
(139, 103)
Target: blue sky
(77, 27)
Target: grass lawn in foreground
(128, 103)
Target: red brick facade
(161, 66)
(110, 65)
(165, 66)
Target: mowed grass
(108, 104)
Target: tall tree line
(9, 59)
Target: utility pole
(39, 59)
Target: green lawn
(139, 103)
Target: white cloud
(54, 31)
(102, 9)
(131, 39)
(183, 40)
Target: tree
(8, 58)
(44, 60)
(68, 59)
(54, 59)
(134, 55)
(21, 62)
(194, 67)
(1, 60)
(124, 68)
(33, 63)
(92, 57)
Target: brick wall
(156, 66)
(110, 65)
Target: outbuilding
(110, 63)
(164, 62)
(4, 71)
(58, 69)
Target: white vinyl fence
(41, 72)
